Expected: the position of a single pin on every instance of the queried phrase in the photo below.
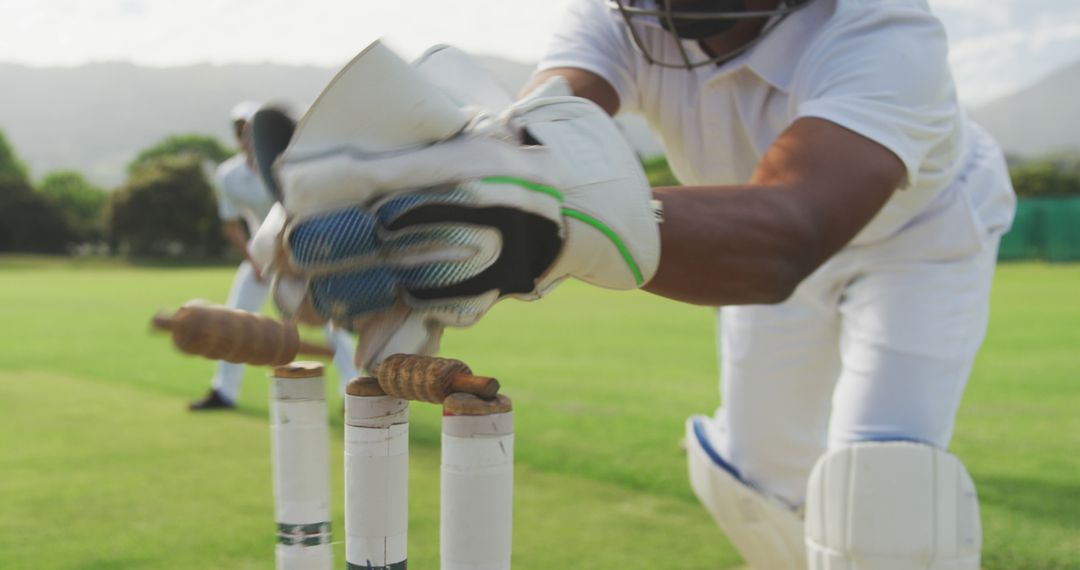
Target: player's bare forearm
(582, 83)
(729, 245)
(816, 187)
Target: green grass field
(102, 467)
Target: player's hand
(392, 236)
(510, 207)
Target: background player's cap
(244, 111)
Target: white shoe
(766, 532)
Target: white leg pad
(892, 506)
(767, 533)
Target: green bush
(81, 201)
(1047, 177)
(10, 165)
(204, 147)
(167, 208)
(31, 221)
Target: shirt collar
(775, 57)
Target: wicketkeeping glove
(397, 245)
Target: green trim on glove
(526, 185)
(580, 216)
(611, 235)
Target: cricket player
(243, 202)
(838, 206)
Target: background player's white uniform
(878, 343)
(242, 195)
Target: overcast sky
(997, 45)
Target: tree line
(166, 206)
(1048, 176)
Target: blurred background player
(243, 202)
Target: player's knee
(891, 505)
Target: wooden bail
(431, 379)
(222, 333)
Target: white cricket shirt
(241, 193)
(876, 67)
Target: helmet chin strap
(699, 29)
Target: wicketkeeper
(838, 205)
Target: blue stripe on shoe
(706, 446)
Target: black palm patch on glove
(529, 246)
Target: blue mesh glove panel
(332, 238)
(362, 268)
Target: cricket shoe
(212, 401)
(766, 532)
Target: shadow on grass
(1036, 499)
(1030, 523)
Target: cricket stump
(477, 487)
(300, 438)
(376, 478)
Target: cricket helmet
(695, 20)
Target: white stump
(376, 478)
(477, 483)
(299, 436)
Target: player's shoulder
(236, 162)
(900, 41)
(593, 21)
(232, 167)
(883, 23)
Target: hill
(95, 118)
(1038, 119)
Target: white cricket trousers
(877, 344)
(248, 294)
